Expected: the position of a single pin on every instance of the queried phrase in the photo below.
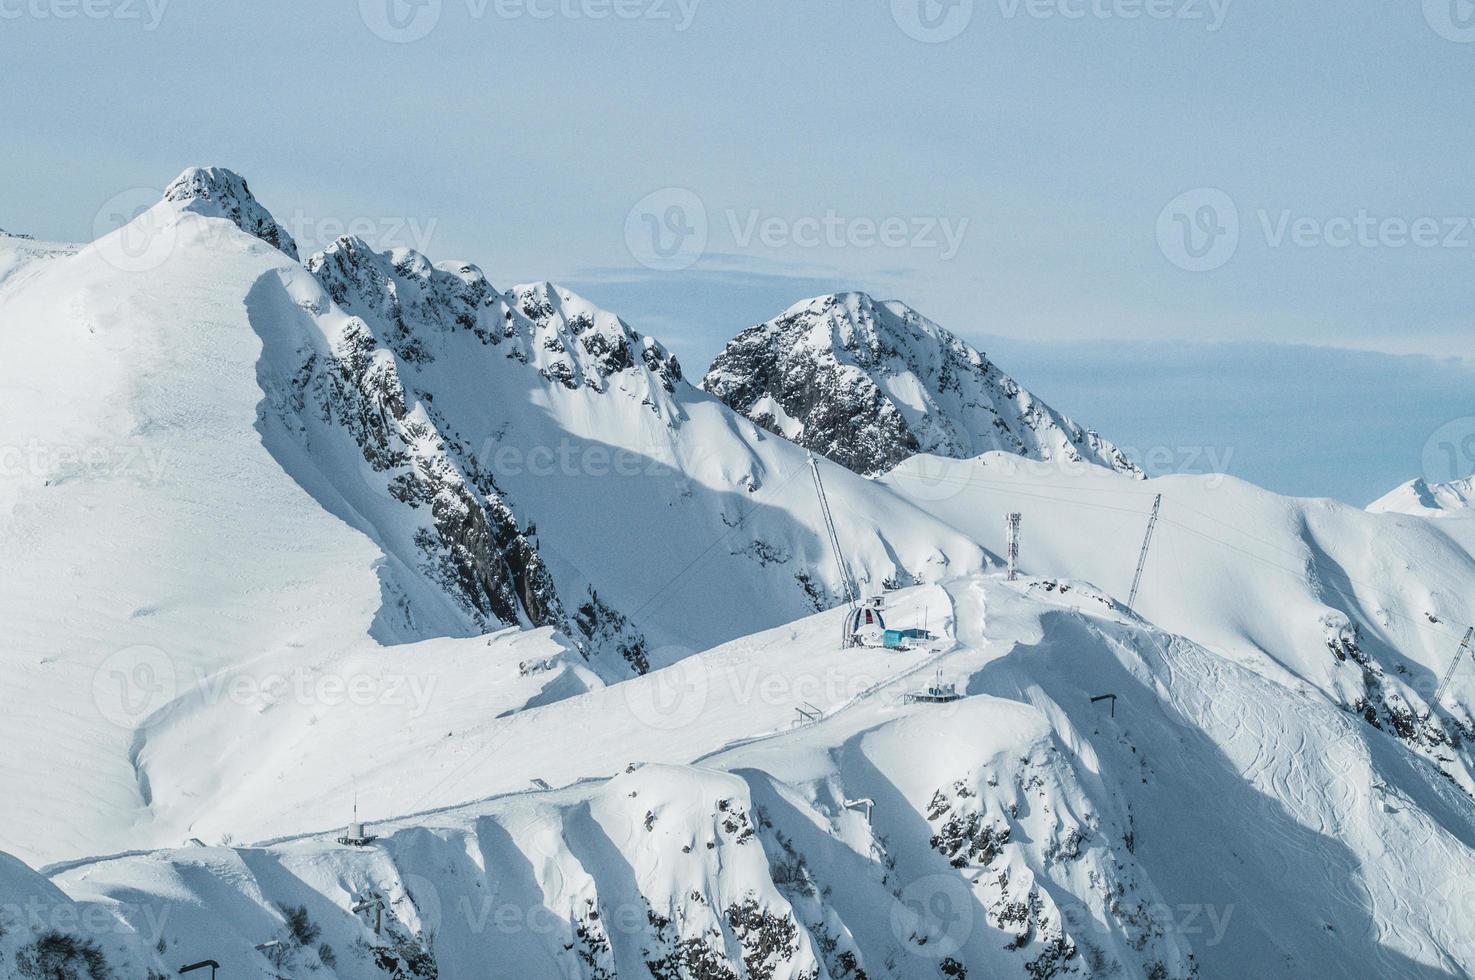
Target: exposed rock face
(473, 547)
(379, 384)
(220, 193)
(870, 384)
(598, 344)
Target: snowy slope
(1212, 822)
(869, 384)
(212, 467)
(639, 495)
(148, 536)
(45, 934)
(281, 535)
(1366, 610)
(1424, 499)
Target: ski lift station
(354, 835)
(935, 693)
(865, 626)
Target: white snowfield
(1424, 499)
(1209, 817)
(222, 631)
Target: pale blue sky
(1049, 139)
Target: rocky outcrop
(220, 193)
(406, 312)
(598, 343)
(870, 384)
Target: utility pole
(1012, 522)
(824, 506)
(1157, 505)
(1450, 673)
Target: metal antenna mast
(1012, 522)
(1450, 673)
(1157, 505)
(824, 506)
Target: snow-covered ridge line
(568, 322)
(1022, 830)
(220, 193)
(1420, 498)
(370, 459)
(870, 384)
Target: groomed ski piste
(230, 625)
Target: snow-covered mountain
(1424, 499)
(1206, 820)
(613, 492)
(219, 193)
(283, 537)
(870, 384)
(221, 458)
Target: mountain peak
(217, 192)
(1424, 499)
(567, 320)
(870, 384)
